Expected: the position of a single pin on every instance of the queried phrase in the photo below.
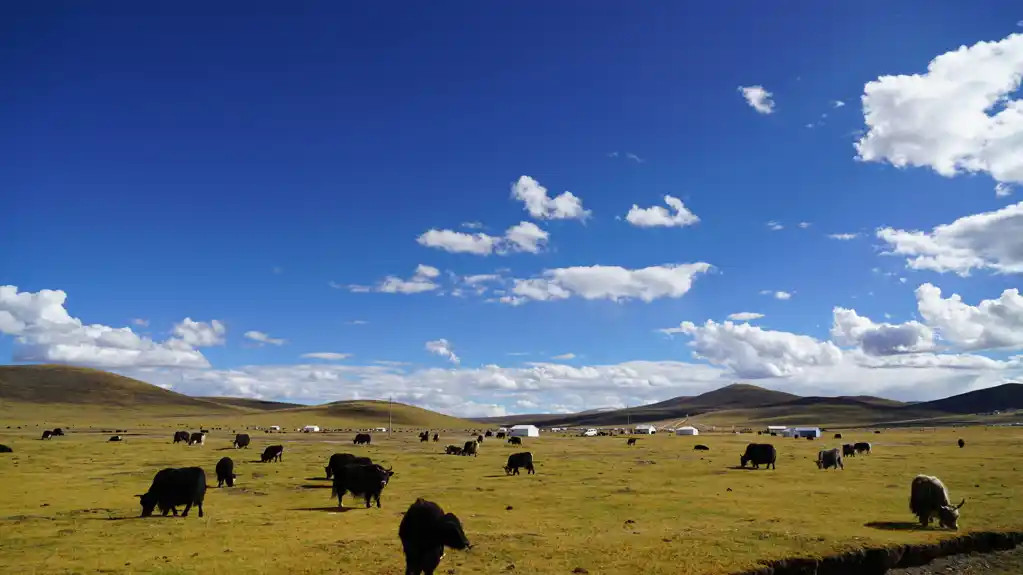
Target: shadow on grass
(311, 486)
(895, 525)
(316, 479)
(737, 468)
(332, 509)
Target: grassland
(69, 504)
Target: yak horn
(961, 503)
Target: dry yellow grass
(69, 504)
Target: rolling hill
(47, 392)
(742, 404)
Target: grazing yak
(47, 434)
(838, 436)
(479, 439)
(488, 434)
(759, 454)
(848, 450)
(517, 460)
(962, 444)
(199, 438)
(172, 487)
(436, 437)
(929, 498)
(470, 448)
(362, 439)
(630, 441)
(515, 440)
(453, 450)
(58, 432)
(828, 458)
(272, 453)
(424, 436)
(116, 438)
(862, 447)
(5, 449)
(241, 440)
(366, 480)
(225, 472)
(180, 436)
(424, 532)
(339, 460)
(500, 435)
(700, 447)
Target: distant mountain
(1003, 397)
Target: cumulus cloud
(608, 282)
(44, 331)
(522, 237)
(774, 226)
(327, 355)
(421, 281)
(758, 98)
(804, 225)
(992, 324)
(745, 316)
(1002, 190)
(565, 206)
(755, 353)
(782, 295)
(564, 356)
(442, 347)
(956, 117)
(843, 237)
(986, 241)
(837, 103)
(852, 329)
(261, 338)
(657, 216)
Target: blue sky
(249, 163)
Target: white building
(779, 429)
(524, 431)
(311, 429)
(807, 432)
(275, 428)
(687, 430)
(645, 429)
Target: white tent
(645, 429)
(687, 430)
(590, 433)
(524, 431)
(309, 428)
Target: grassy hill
(1003, 397)
(58, 384)
(41, 393)
(256, 404)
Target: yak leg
(187, 507)
(199, 505)
(368, 498)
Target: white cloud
(357, 322)
(758, 98)
(654, 216)
(940, 119)
(989, 240)
(326, 355)
(753, 352)
(992, 324)
(140, 322)
(564, 356)
(843, 237)
(522, 237)
(442, 347)
(837, 103)
(565, 206)
(608, 282)
(472, 225)
(782, 295)
(804, 225)
(261, 337)
(45, 332)
(1002, 190)
(635, 158)
(421, 281)
(774, 226)
(745, 316)
(880, 339)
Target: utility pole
(389, 398)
